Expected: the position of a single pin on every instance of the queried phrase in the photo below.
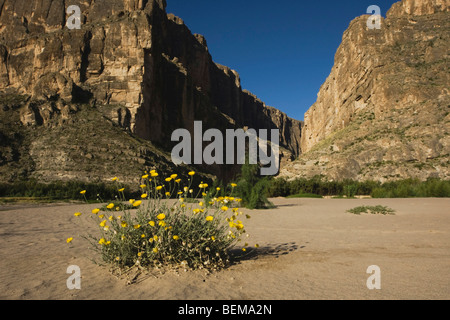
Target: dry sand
(310, 249)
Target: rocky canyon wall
(383, 112)
(138, 66)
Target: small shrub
(162, 232)
(252, 188)
(372, 210)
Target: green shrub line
(408, 188)
(252, 189)
(69, 190)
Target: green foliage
(350, 190)
(397, 189)
(252, 188)
(413, 188)
(372, 210)
(61, 190)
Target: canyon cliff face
(132, 69)
(383, 113)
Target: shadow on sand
(270, 250)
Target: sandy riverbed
(310, 249)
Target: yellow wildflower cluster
(172, 225)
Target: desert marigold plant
(171, 226)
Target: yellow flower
(101, 216)
(137, 203)
(115, 179)
(102, 241)
(152, 223)
(159, 188)
(174, 176)
(213, 238)
(256, 245)
(186, 189)
(132, 201)
(218, 189)
(168, 179)
(176, 237)
(234, 185)
(137, 226)
(122, 190)
(209, 218)
(143, 186)
(142, 235)
(201, 204)
(77, 214)
(243, 249)
(161, 216)
(124, 224)
(178, 180)
(167, 194)
(95, 211)
(110, 206)
(196, 211)
(154, 174)
(155, 238)
(192, 173)
(83, 192)
(103, 223)
(144, 196)
(224, 208)
(145, 176)
(155, 250)
(69, 240)
(162, 223)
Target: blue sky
(283, 50)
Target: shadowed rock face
(383, 113)
(138, 66)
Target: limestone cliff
(131, 64)
(383, 113)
